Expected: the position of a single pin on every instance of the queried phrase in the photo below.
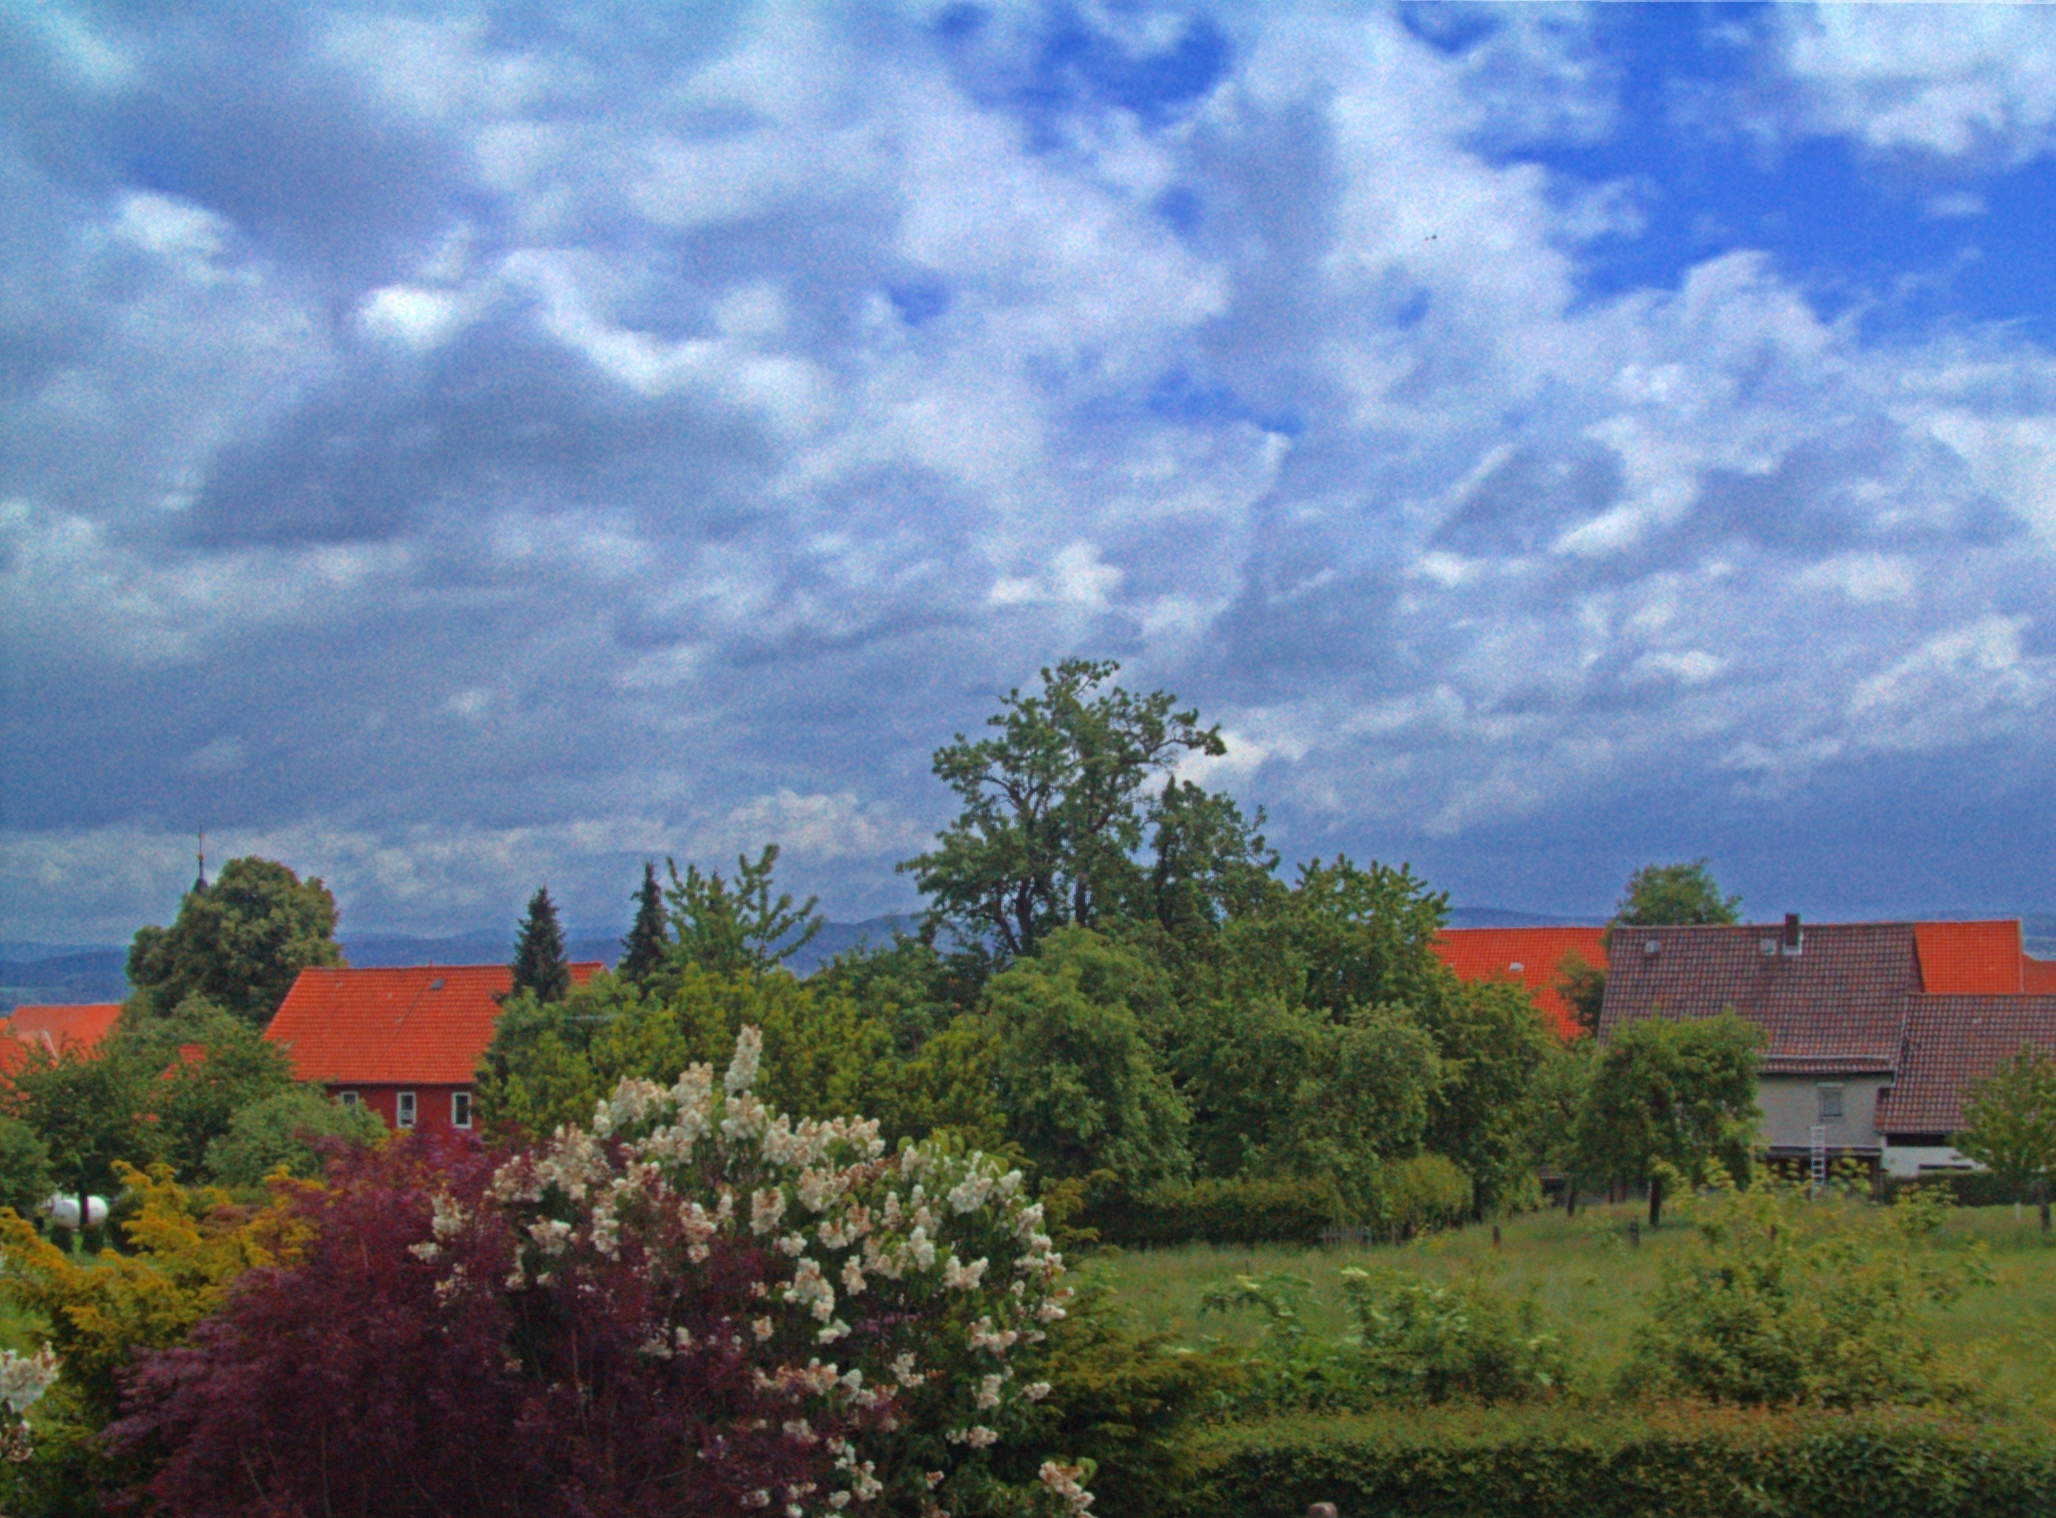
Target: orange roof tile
(2038, 976)
(424, 1025)
(1969, 958)
(1530, 956)
(79, 1027)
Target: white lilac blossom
(690, 1170)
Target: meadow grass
(1591, 1282)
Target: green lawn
(1590, 1283)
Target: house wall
(1912, 1160)
(431, 1104)
(1791, 1107)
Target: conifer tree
(540, 967)
(643, 948)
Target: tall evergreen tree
(540, 967)
(643, 948)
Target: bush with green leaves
(1421, 1194)
(1806, 1301)
(25, 1175)
(286, 1129)
(1416, 1341)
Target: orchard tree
(540, 968)
(1671, 1098)
(1582, 985)
(648, 940)
(1057, 807)
(239, 942)
(2010, 1125)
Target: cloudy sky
(456, 447)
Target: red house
(1533, 957)
(404, 1043)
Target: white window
(346, 1098)
(1831, 1104)
(460, 1109)
(404, 1109)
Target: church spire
(200, 883)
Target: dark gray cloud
(454, 449)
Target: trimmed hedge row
(1967, 1188)
(1677, 1462)
(1284, 1211)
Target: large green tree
(92, 1111)
(2010, 1125)
(1058, 805)
(744, 924)
(1671, 1098)
(1675, 895)
(648, 940)
(210, 1066)
(239, 942)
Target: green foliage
(211, 1064)
(26, 1179)
(91, 1112)
(1124, 1400)
(1492, 1040)
(905, 984)
(1554, 1460)
(648, 940)
(279, 1131)
(540, 967)
(1815, 1303)
(1054, 812)
(1555, 1098)
(240, 942)
(732, 927)
(1211, 864)
(1415, 1340)
(1666, 895)
(2010, 1125)
(1363, 937)
(1582, 985)
(1081, 1088)
(1671, 1099)
(1422, 1194)
(1259, 1210)
(1434, 1341)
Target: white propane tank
(65, 1210)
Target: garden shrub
(1281, 1210)
(1966, 1188)
(1422, 1194)
(812, 1321)
(1810, 1302)
(285, 1130)
(1416, 1341)
(1685, 1461)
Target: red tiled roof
(1837, 1006)
(80, 1027)
(2038, 976)
(1952, 1043)
(1969, 958)
(425, 1025)
(1528, 955)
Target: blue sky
(452, 448)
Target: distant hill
(1503, 917)
(76, 975)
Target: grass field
(1590, 1283)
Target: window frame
(460, 1109)
(350, 1100)
(406, 1110)
(1834, 1093)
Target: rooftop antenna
(201, 883)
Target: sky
(453, 448)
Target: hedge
(1283, 1211)
(1967, 1188)
(1569, 1461)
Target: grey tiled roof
(1838, 1006)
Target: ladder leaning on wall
(1819, 1137)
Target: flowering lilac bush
(23, 1380)
(696, 1306)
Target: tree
(1672, 1098)
(1675, 895)
(2010, 1125)
(1492, 1039)
(1365, 936)
(727, 927)
(540, 968)
(1556, 1095)
(643, 950)
(25, 1174)
(1081, 1087)
(1209, 864)
(210, 1066)
(92, 1113)
(1583, 986)
(283, 1130)
(239, 942)
(1055, 811)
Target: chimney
(1793, 937)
